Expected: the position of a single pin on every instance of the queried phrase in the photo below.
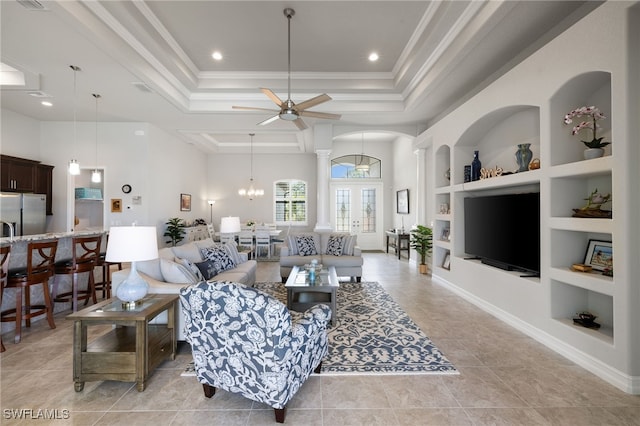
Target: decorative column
(323, 223)
(421, 186)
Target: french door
(357, 208)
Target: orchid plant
(594, 115)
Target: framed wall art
(116, 205)
(402, 201)
(185, 202)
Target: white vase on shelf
(591, 153)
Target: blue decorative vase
(523, 156)
(476, 165)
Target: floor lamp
(211, 203)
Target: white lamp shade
(132, 244)
(229, 225)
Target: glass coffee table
(303, 294)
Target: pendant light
(362, 166)
(251, 192)
(95, 176)
(74, 166)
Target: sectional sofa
(177, 267)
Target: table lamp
(132, 244)
(229, 225)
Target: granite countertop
(49, 236)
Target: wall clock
(126, 189)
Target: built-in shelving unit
(565, 180)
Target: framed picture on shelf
(599, 255)
(185, 202)
(402, 201)
(444, 208)
(445, 234)
(446, 262)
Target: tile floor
(505, 377)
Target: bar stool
(40, 265)
(105, 284)
(4, 268)
(85, 253)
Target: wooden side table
(133, 349)
(396, 241)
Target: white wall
(227, 173)
(156, 165)
(405, 177)
(20, 136)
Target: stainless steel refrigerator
(26, 212)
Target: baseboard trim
(624, 382)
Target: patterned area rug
(373, 335)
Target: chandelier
(363, 164)
(251, 192)
(74, 166)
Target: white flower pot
(591, 153)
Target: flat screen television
(504, 231)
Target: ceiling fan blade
(269, 120)
(320, 115)
(272, 96)
(254, 108)
(301, 125)
(313, 102)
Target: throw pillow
(335, 245)
(306, 245)
(232, 249)
(293, 246)
(151, 268)
(175, 273)
(207, 269)
(188, 251)
(191, 266)
(350, 242)
(219, 254)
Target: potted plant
(595, 146)
(175, 230)
(422, 242)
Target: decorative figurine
(593, 207)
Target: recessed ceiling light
(216, 55)
(46, 103)
(373, 57)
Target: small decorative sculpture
(489, 173)
(593, 207)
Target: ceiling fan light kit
(289, 111)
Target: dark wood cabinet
(44, 184)
(18, 174)
(23, 175)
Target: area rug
(373, 335)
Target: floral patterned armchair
(247, 342)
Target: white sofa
(174, 270)
(348, 262)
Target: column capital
(323, 152)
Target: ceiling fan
(289, 110)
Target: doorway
(88, 212)
(356, 207)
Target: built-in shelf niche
(588, 89)
(568, 193)
(443, 166)
(569, 247)
(496, 136)
(570, 300)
